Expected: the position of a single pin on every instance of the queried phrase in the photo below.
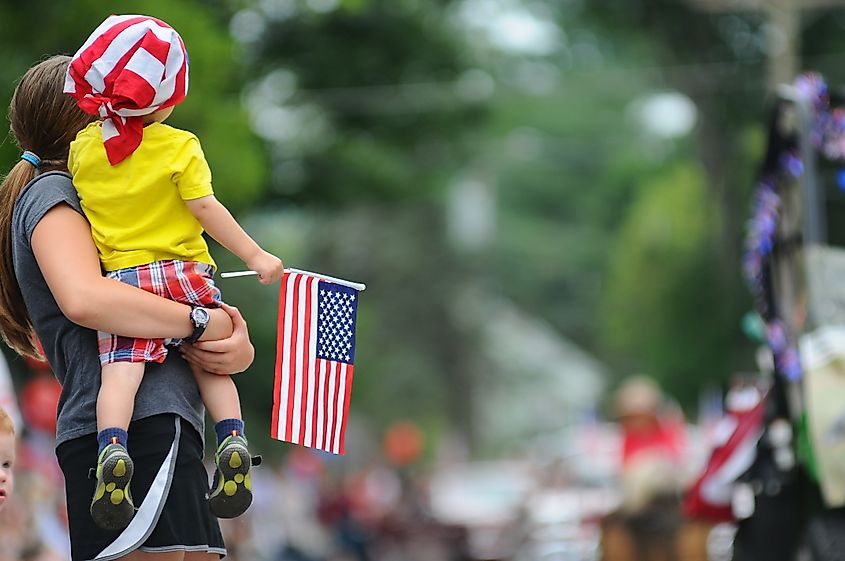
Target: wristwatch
(199, 319)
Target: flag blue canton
(338, 307)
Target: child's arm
(221, 225)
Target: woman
(50, 282)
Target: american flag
(315, 360)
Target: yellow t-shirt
(136, 208)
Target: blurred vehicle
(562, 524)
(488, 500)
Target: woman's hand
(225, 356)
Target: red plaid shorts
(187, 282)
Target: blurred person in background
(52, 285)
(652, 474)
(14, 521)
(7, 457)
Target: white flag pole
(356, 285)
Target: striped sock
(107, 436)
(225, 428)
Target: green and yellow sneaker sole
(232, 492)
(112, 507)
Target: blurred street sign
(826, 291)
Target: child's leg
(219, 395)
(231, 490)
(112, 507)
(116, 400)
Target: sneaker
(231, 492)
(112, 507)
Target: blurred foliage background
(542, 196)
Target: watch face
(200, 316)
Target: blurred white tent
(539, 381)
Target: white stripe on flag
(284, 387)
(341, 396)
(321, 410)
(313, 287)
(330, 417)
(296, 424)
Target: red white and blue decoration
(827, 135)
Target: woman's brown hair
(44, 120)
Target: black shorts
(169, 489)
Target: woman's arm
(226, 356)
(68, 260)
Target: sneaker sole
(112, 507)
(233, 494)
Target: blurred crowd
(609, 490)
(33, 525)
(303, 511)
(309, 506)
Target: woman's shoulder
(49, 186)
(41, 194)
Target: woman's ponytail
(14, 319)
(44, 120)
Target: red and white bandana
(129, 67)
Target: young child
(7, 457)
(146, 189)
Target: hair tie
(31, 157)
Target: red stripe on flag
(345, 414)
(293, 358)
(332, 395)
(280, 350)
(324, 368)
(337, 404)
(314, 398)
(306, 351)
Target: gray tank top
(72, 350)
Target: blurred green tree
(660, 304)
(212, 109)
(359, 101)
(717, 61)
(367, 108)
